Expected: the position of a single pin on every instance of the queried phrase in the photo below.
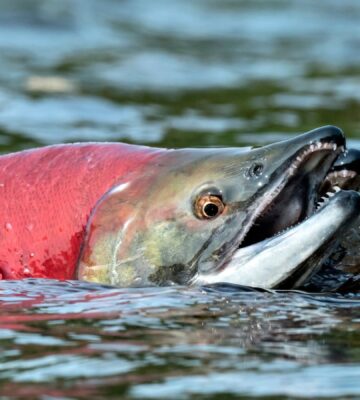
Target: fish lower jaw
(326, 197)
(260, 253)
(273, 261)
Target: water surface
(77, 340)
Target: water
(77, 340)
(176, 73)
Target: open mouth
(308, 182)
(293, 221)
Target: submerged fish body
(136, 216)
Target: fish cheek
(171, 250)
(98, 259)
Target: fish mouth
(299, 193)
(292, 223)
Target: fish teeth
(319, 205)
(324, 199)
(312, 148)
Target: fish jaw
(269, 263)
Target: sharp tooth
(336, 188)
(319, 205)
(330, 194)
(334, 146)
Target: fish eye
(209, 206)
(256, 169)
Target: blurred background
(176, 72)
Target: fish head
(199, 216)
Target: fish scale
(47, 196)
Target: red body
(47, 195)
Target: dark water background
(176, 73)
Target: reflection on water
(82, 340)
(176, 73)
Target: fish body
(47, 195)
(136, 216)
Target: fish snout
(328, 133)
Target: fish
(135, 216)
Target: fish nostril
(256, 170)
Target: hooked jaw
(293, 221)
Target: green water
(176, 73)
